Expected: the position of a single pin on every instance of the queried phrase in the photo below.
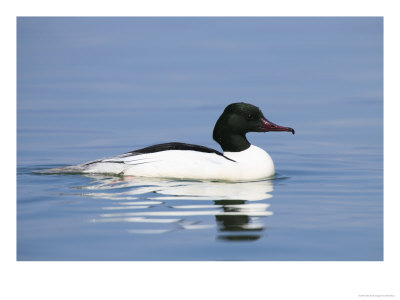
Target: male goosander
(240, 160)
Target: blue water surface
(97, 87)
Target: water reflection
(154, 206)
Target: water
(92, 87)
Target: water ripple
(160, 206)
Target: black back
(172, 146)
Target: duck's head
(239, 119)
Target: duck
(239, 161)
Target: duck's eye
(250, 117)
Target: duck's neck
(232, 138)
(231, 142)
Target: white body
(251, 164)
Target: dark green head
(239, 119)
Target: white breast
(253, 163)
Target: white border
(199, 280)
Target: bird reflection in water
(239, 208)
(239, 227)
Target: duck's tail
(78, 169)
(104, 165)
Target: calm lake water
(97, 87)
